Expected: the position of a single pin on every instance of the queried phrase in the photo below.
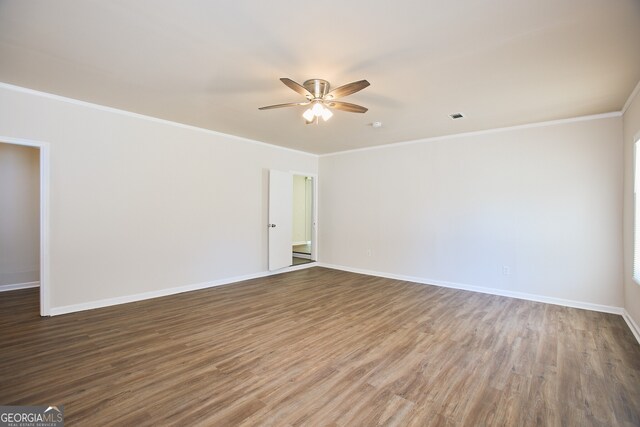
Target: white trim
(631, 97)
(491, 291)
(16, 286)
(480, 132)
(636, 191)
(253, 141)
(44, 215)
(145, 117)
(301, 242)
(632, 325)
(55, 311)
(45, 288)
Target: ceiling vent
(456, 116)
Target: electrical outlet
(506, 270)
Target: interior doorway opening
(302, 220)
(19, 221)
(292, 226)
(24, 201)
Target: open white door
(280, 219)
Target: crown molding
(631, 97)
(482, 132)
(145, 117)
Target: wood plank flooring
(321, 347)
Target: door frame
(314, 210)
(45, 168)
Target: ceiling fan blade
(289, 104)
(297, 87)
(346, 106)
(347, 89)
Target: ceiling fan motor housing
(318, 87)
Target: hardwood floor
(322, 347)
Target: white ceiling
(213, 63)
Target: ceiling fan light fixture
(317, 93)
(317, 109)
(327, 114)
(308, 115)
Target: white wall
(631, 120)
(19, 214)
(544, 201)
(139, 205)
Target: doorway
(292, 230)
(24, 201)
(303, 224)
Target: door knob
(271, 225)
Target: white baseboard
(301, 242)
(632, 325)
(172, 291)
(491, 291)
(14, 287)
(55, 311)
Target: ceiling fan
(321, 100)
